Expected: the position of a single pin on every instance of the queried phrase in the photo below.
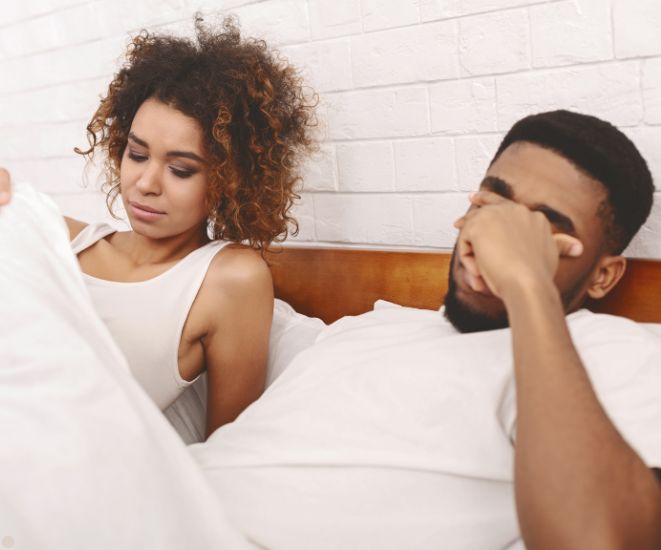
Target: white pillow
(654, 328)
(291, 333)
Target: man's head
(589, 180)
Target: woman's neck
(142, 249)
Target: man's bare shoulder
(75, 227)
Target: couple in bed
(510, 417)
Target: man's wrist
(529, 290)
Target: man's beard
(470, 319)
(465, 318)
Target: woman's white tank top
(146, 318)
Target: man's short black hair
(604, 153)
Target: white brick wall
(415, 95)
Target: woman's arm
(236, 344)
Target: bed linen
(86, 459)
(394, 431)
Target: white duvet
(86, 459)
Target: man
(397, 430)
(568, 174)
(405, 428)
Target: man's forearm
(578, 483)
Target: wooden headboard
(331, 283)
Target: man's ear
(606, 275)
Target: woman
(201, 140)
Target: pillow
(291, 333)
(385, 304)
(654, 328)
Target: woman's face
(163, 178)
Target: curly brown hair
(255, 113)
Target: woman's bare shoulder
(238, 275)
(237, 283)
(241, 266)
(75, 227)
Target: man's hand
(578, 484)
(503, 244)
(5, 187)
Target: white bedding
(394, 431)
(87, 460)
(380, 454)
(654, 328)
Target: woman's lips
(144, 212)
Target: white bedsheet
(86, 459)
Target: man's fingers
(484, 198)
(479, 198)
(568, 245)
(469, 263)
(5, 187)
(473, 277)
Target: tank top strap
(193, 269)
(90, 235)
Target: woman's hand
(5, 187)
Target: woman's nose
(149, 181)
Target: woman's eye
(181, 173)
(136, 157)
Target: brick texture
(415, 95)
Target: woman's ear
(606, 275)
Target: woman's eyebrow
(139, 141)
(185, 154)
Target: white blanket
(86, 459)
(394, 431)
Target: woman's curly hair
(256, 117)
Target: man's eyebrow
(557, 219)
(185, 154)
(497, 186)
(505, 190)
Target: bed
(90, 459)
(325, 284)
(301, 494)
